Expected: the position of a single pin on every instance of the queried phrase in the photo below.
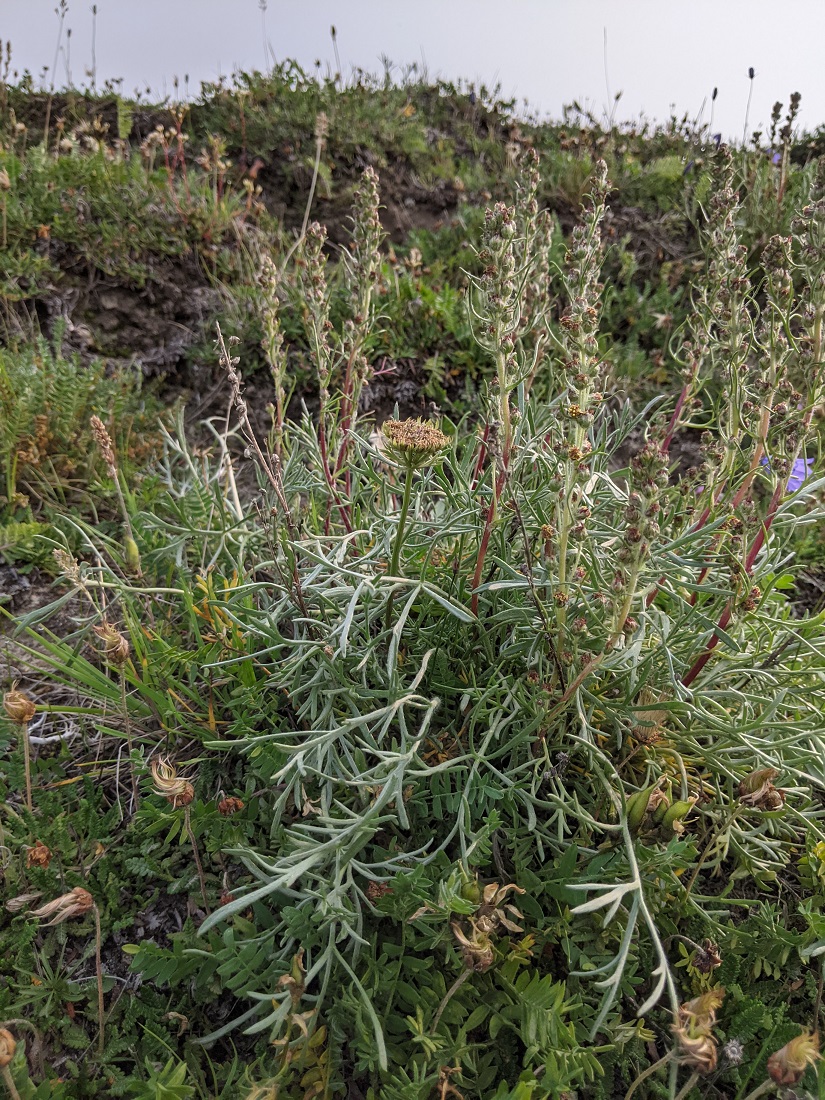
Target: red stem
(758, 543)
(485, 540)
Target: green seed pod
(132, 554)
(662, 807)
(677, 812)
(637, 808)
(471, 891)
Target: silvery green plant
(506, 657)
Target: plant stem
(402, 522)
(128, 728)
(8, 1081)
(454, 988)
(99, 972)
(399, 535)
(27, 763)
(646, 1073)
(187, 821)
(685, 1089)
(761, 1090)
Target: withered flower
(706, 958)
(115, 645)
(788, 1065)
(492, 911)
(376, 890)
(294, 982)
(38, 855)
(696, 1052)
(700, 1012)
(696, 1046)
(229, 806)
(177, 791)
(76, 903)
(477, 950)
(413, 442)
(14, 905)
(19, 707)
(757, 790)
(8, 1045)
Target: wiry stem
(101, 1041)
(187, 821)
(127, 725)
(27, 763)
(8, 1081)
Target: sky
(662, 55)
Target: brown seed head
(706, 958)
(229, 806)
(38, 855)
(115, 645)
(413, 441)
(697, 1052)
(788, 1065)
(19, 707)
(8, 1045)
(757, 789)
(76, 903)
(104, 442)
(5, 180)
(476, 950)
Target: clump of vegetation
(497, 738)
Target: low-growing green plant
(525, 733)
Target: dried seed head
(38, 855)
(68, 566)
(115, 645)
(706, 958)
(757, 790)
(700, 1012)
(697, 1052)
(413, 442)
(5, 180)
(733, 1052)
(177, 791)
(76, 903)
(476, 950)
(8, 1045)
(104, 442)
(19, 707)
(229, 806)
(787, 1065)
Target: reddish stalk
(674, 420)
(725, 618)
(485, 538)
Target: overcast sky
(660, 53)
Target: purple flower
(802, 469)
(776, 158)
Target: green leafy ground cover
(480, 757)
